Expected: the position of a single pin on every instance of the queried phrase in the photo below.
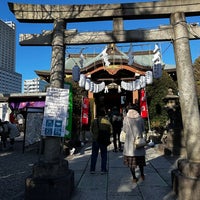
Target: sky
(30, 58)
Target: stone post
(51, 178)
(186, 181)
(172, 139)
(52, 144)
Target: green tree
(155, 94)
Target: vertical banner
(55, 112)
(85, 111)
(143, 104)
(70, 111)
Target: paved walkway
(15, 166)
(117, 184)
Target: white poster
(55, 112)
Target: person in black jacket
(100, 126)
(116, 120)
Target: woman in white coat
(133, 125)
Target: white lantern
(142, 81)
(137, 84)
(130, 86)
(149, 77)
(82, 80)
(87, 84)
(91, 86)
(124, 85)
(101, 86)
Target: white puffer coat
(133, 125)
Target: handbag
(139, 142)
(122, 137)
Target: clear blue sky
(32, 58)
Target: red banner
(85, 110)
(143, 104)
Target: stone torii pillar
(186, 177)
(51, 177)
(52, 144)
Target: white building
(10, 80)
(34, 85)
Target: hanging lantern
(101, 86)
(91, 86)
(124, 85)
(76, 73)
(149, 77)
(130, 86)
(87, 84)
(137, 84)
(142, 81)
(96, 88)
(82, 80)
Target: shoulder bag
(122, 137)
(139, 142)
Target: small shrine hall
(112, 77)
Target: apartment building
(10, 80)
(34, 85)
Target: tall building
(10, 80)
(34, 85)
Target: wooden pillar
(135, 96)
(186, 181)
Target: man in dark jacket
(99, 127)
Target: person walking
(101, 130)
(133, 125)
(116, 120)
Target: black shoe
(115, 150)
(104, 172)
(120, 149)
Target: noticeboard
(55, 112)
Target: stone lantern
(172, 138)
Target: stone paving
(117, 184)
(15, 166)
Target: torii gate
(177, 32)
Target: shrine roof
(144, 60)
